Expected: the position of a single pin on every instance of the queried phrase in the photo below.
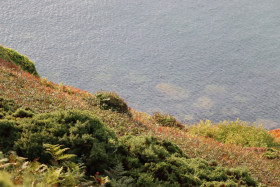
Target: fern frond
(117, 172)
(61, 151)
(57, 152)
(65, 156)
(118, 178)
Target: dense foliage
(110, 100)
(7, 106)
(23, 62)
(166, 120)
(235, 132)
(161, 163)
(147, 161)
(17, 171)
(87, 137)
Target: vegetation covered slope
(12, 56)
(147, 161)
(41, 96)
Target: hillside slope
(13, 57)
(42, 96)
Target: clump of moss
(166, 120)
(110, 100)
(23, 62)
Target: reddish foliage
(8, 64)
(276, 133)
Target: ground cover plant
(161, 163)
(235, 132)
(38, 95)
(166, 120)
(110, 100)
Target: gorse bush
(166, 120)
(235, 132)
(87, 137)
(8, 128)
(7, 107)
(110, 100)
(8, 134)
(23, 113)
(161, 163)
(23, 62)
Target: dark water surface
(217, 60)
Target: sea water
(217, 60)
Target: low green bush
(161, 163)
(2, 115)
(23, 113)
(8, 128)
(166, 120)
(8, 134)
(23, 62)
(235, 132)
(271, 153)
(7, 106)
(110, 100)
(87, 137)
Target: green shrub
(23, 62)
(2, 114)
(8, 134)
(7, 105)
(235, 132)
(271, 153)
(161, 163)
(110, 100)
(166, 120)
(22, 113)
(87, 137)
(229, 183)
